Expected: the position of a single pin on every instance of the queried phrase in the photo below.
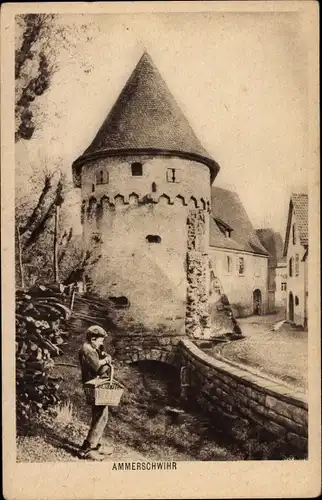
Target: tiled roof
(227, 206)
(146, 117)
(300, 205)
(273, 243)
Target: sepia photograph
(162, 241)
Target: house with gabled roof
(238, 258)
(296, 251)
(273, 243)
(154, 221)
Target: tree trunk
(22, 281)
(72, 298)
(56, 270)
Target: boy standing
(95, 362)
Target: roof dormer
(224, 228)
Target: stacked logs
(40, 314)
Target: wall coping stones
(269, 386)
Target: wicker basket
(103, 391)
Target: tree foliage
(33, 70)
(41, 40)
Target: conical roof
(146, 118)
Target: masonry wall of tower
(139, 226)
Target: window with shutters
(283, 286)
(241, 265)
(173, 175)
(102, 177)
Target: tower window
(93, 188)
(137, 169)
(154, 187)
(290, 267)
(173, 175)
(296, 300)
(102, 177)
(153, 238)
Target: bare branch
(40, 205)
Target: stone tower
(145, 186)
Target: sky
(240, 79)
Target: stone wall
(137, 227)
(197, 316)
(194, 180)
(239, 399)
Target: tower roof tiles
(146, 118)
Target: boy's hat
(96, 331)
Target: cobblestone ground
(281, 354)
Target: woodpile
(40, 316)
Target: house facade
(238, 258)
(281, 285)
(273, 243)
(147, 214)
(296, 250)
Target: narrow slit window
(297, 264)
(173, 175)
(154, 187)
(137, 169)
(294, 234)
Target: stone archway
(257, 302)
(152, 355)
